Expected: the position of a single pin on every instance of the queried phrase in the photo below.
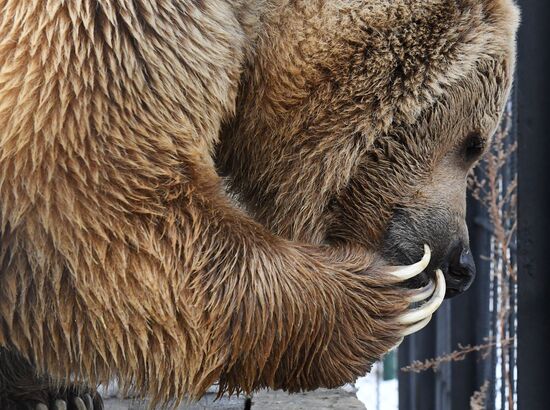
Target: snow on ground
(376, 393)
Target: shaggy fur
(121, 254)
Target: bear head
(358, 122)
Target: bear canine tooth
(402, 273)
(60, 405)
(418, 295)
(415, 315)
(41, 406)
(79, 404)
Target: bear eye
(474, 146)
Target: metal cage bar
(533, 107)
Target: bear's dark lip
(452, 292)
(455, 288)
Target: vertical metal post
(472, 320)
(417, 390)
(534, 206)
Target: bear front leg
(343, 321)
(21, 388)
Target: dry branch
(459, 354)
(478, 401)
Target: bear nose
(461, 270)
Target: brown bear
(199, 191)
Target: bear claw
(79, 404)
(416, 327)
(402, 273)
(84, 402)
(419, 317)
(418, 295)
(89, 402)
(60, 405)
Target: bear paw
(72, 399)
(423, 301)
(65, 398)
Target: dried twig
(478, 401)
(460, 354)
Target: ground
(322, 399)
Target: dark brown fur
(121, 253)
(22, 388)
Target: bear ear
(433, 46)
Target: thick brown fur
(122, 254)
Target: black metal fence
(513, 374)
(472, 319)
(533, 110)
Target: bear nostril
(461, 270)
(466, 262)
(461, 262)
